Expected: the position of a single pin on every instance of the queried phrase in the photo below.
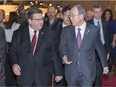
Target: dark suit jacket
(106, 32)
(85, 55)
(40, 66)
(2, 55)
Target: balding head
(51, 12)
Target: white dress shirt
(82, 31)
(64, 25)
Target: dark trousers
(80, 81)
(62, 83)
(10, 77)
(110, 64)
(99, 74)
(112, 61)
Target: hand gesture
(16, 69)
(105, 70)
(65, 60)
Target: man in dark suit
(34, 52)
(77, 48)
(2, 56)
(104, 36)
(54, 23)
(66, 22)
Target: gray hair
(81, 9)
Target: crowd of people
(75, 48)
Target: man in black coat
(34, 52)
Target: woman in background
(108, 16)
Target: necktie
(101, 33)
(79, 37)
(98, 24)
(33, 41)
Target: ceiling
(40, 3)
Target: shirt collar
(64, 25)
(82, 26)
(31, 29)
(95, 20)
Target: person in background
(54, 23)
(21, 14)
(108, 16)
(65, 22)
(77, 48)
(33, 52)
(59, 13)
(105, 38)
(66, 16)
(10, 26)
(2, 57)
(45, 17)
(88, 15)
(2, 16)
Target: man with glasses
(77, 48)
(33, 52)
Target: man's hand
(108, 56)
(105, 70)
(65, 60)
(16, 69)
(58, 78)
(113, 44)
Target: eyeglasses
(74, 15)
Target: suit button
(77, 63)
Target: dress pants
(62, 83)
(77, 79)
(80, 82)
(10, 77)
(99, 74)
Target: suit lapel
(40, 39)
(103, 27)
(74, 39)
(85, 37)
(27, 37)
